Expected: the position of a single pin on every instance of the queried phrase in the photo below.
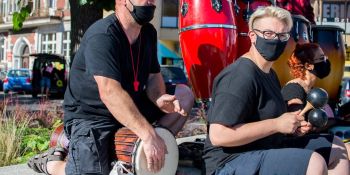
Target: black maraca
(318, 118)
(316, 98)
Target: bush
(12, 127)
(25, 133)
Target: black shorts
(291, 160)
(91, 146)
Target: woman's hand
(304, 128)
(288, 122)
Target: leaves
(102, 4)
(20, 17)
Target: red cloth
(298, 7)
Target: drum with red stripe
(208, 41)
(244, 9)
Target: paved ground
(21, 169)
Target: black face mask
(321, 69)
(270, 49)
(142, 14)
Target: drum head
(171, 159)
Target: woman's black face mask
(322, 69)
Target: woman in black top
(248, 119)
(307, 63)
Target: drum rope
(120, 169)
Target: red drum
(244, 9)
(300, 33)
(330, 38)
(207, 40)
(130, 155)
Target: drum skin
(300, 33)
(129, 149)
(208, 41)
(330, 38)
(245, 10)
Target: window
(13, 7)
(170, 14)
(2, 49)
(4, 8)
(66, 45)
(52, 4)
(48, 43)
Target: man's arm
(120, 104)
(156, 93)
(155, 87)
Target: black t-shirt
(243, 93)
(294, 91)
(46, 72)
(105, 51)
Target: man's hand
(155, 150)
(169, 104)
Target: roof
(46, 55)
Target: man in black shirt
(248, 119)
(115, 81)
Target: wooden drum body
(207, 40)
(330, 38)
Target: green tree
(83, 14)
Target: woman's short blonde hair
(271, 11)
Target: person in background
(307, 64)
(45, 82)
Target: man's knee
(185, 95)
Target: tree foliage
(20, 16)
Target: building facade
(46, 30)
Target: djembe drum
(208, 41)
(129, 150)
(330, 38)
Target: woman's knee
(338, 150)
(317, 165)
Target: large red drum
(300, 33)
(208, 41)
(330, 38)
(244, 9)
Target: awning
(163, 51)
